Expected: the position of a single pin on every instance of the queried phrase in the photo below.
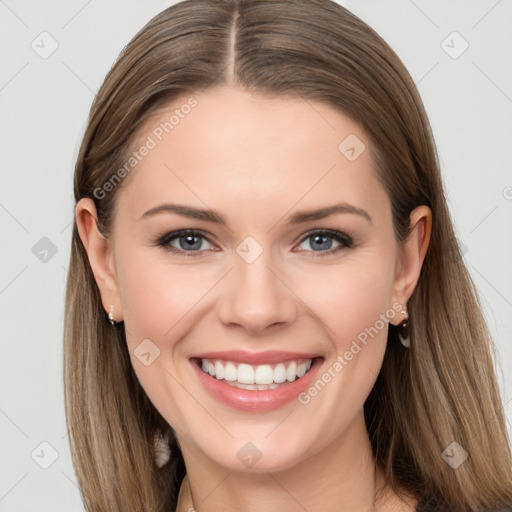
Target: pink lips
(256, 401)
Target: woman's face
(267, 291)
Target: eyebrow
(209, 215)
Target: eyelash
(165, 240)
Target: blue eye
(192, 242)
(321, 241)
(188, 240)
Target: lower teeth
(253, 387)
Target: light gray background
(44, 104)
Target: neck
(341, 477)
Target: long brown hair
(439, 391)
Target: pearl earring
(111, 315)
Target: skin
(257, 161)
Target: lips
(256, 382)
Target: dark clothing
(430, 507)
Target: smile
(255, 382)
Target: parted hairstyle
(440, 390)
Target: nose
(256, 297)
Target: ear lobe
(99, 253)
(412, 254)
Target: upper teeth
(261, 374)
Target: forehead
(235, 148)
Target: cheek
(156, 297)
(350, 298)
(353, 303)
(159, 303)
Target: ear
(411, 254)
(100, 256)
